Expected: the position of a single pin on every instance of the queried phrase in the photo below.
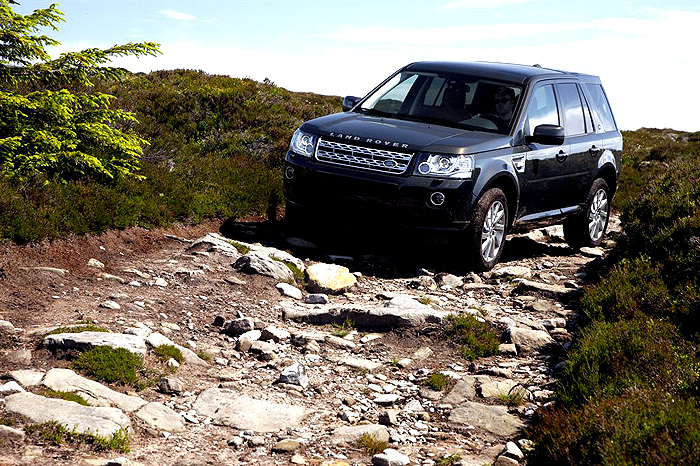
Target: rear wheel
(488, 229)
(587, 230)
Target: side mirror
(550, 135)
(349, 102)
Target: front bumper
(403, 200)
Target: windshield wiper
(375, 112)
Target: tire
(588, 230)
(487, 231)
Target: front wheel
(487, 230)
(587, 230)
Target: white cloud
(178, 15)
(647, 65)
(477, 4)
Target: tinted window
(542, 109)
(572, 108)
(601, 106)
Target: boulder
(161, 417)
(256, 263)
(86, 340)
(330, 278)
(350, 435)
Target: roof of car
(503, 71)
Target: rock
(85, 340)
(234, 280)
(109, 304)
(295, 375)
(390, 417)
(493, 419)
(10, 433)
(424, 281)
(387, 400)
(156, 339)
(274, 334)
(413, 407)
(505, 461)
(447, 279)
(27, 377)
(286, 446)
(350, 435)
(264, 349)
(20, 357)
(52, 270)
(401, 311)
(96, 394)
(246, 340)
(83, 419)
(288, 290)
(109, 276)
(219, 321)
(527, 340)
(330, 278)
(422, 353)
(390, 457)
(557, 322)
(239, 326)
(361, 364)
(508, 348)
(10, 387)
(494, 389)
(513, 451)
(339, 342)
(316, 298)
(159, 416)
(6, 328)
(228, 408)
(256, 263)
(215, 242)
(161, 282)
(171, 385)
(512, 271)
(462, 391)
(298, 459)
(555, 290)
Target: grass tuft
(344, 329)
(57, 434)
(78, 329)
(166, 352)
(438, 382)
(68, 396)
(477, 339)
(372, 445)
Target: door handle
(561, 156)
(594, 151)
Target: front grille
(365, 158)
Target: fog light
(289, 173)
(437, 198)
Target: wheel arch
(508, 184)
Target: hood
(392, 134)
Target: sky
(647, 53)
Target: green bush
(610, 359)
(630, 289)
(111, 365)
(640, 427)
(438, 382)
(476, 339)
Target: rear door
(583, 144)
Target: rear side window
(574, 122)
(542, 109)
(601, 106)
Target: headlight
(303, 143)
(443, 165)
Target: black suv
(478, 149)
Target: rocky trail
(276, 373)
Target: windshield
(451, 100)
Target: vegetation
(344, 329)
(105, 364)
(425, 300)
(438, 382)
(448, 460)
(167, 352)
(68, 396)
(78, 329)
(48, 133)
(476, 339)
(58, 434)
(370, 444)
(631, 389)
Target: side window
(542, 109)
(601, 106)
(574, 122)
